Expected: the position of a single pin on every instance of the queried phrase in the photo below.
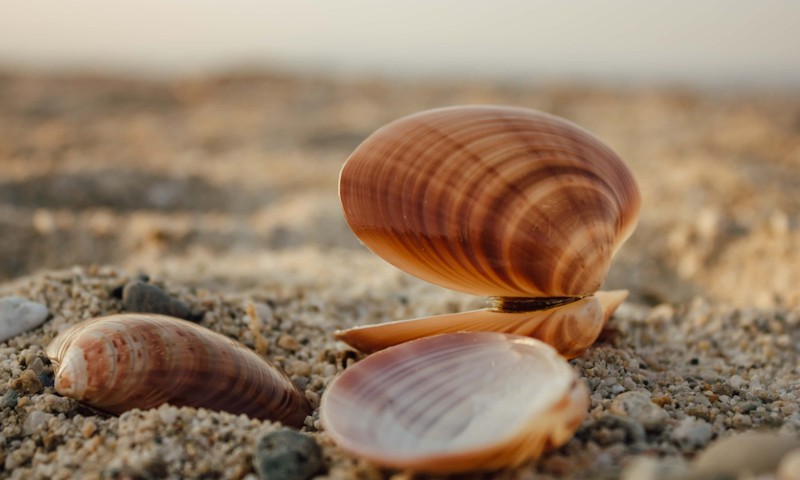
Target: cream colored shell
(127, 361)
(455, 402)
(569, 328)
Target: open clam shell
(121, 362)
(489, 200)
(570, 328)
(455, 402)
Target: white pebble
(36, 421)
(637, 405)
(692, 432)
(18, 315)
(736, 381)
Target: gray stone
(9, 399)
(287, 455)
(637, 405)
(692, 433)
(634, 431)
(36, 420)
(18, 315)
(145, 298)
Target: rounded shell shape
(491, 200)
(455, 402)
(121, 362)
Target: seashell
(571, 328)
(489, 200)
(455, 402)
(121, 362)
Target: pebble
(637, 405)
(287, 455)
(300, 368)
(35, 421)
(753, 452)
(37, 365)
(145, 298)
(27, 382)
(288, 342)
(18, 315)
(89, 428)
(736, 381)
(9, 399)
(692, 433)
(634, 431)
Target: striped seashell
(570, 328)
(455, 402)
(121, 362)
(489, 200)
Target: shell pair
(509, 203)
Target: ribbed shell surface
(494, 201)
(570, 328)
(121, 362)
(455, 402)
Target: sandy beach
(222, 191)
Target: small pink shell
(455, 402)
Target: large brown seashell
(489, 200)
(455, 402)
(121, 362)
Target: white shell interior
(448, 394)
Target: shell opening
(528, 304)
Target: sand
(223, 191)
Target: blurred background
(202, 140)
(708, 42)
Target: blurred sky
(709, 42)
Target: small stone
(9, 399)
(634, 431)
(751, 452)
(47, 380)
(28, 382)
(637, 405)
(692, 433)
(37, 365)
(288, 342)
(36, 420)
(741, 421)
(736, 381)
(88, 429)
(18, 315)
(144, 298)
(300, 368)
(287, 455)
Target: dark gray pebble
(287, 455)
(47, 380)
(634, 431)
(144, 298)
(9, 399)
